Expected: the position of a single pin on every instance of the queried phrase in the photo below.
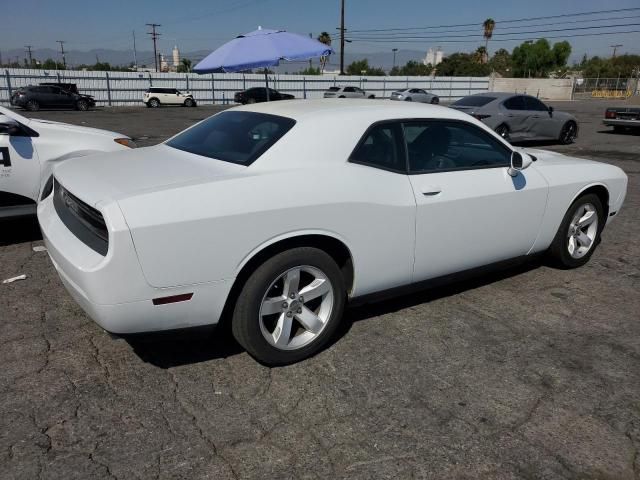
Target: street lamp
(394, 50)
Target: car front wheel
(290, 306)
(503, 131)
(435, 100)
(189, 102)
(568, 133)
(579, 232)
(82, 105)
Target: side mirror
(550, 111)
(519, 161)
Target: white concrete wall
(543, 88)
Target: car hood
(546, 157)
(118, 175)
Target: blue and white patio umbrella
(261, 48)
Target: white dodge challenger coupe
(278, 213)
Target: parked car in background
(156, 96)
(33, 98)
(347, 92)
(519, 118)
(415, 95)
(29, 149)
(259, 95)
(622, 118)
(253, 212)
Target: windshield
(474, 101)
(236, 137)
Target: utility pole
(64, 60)
(28, 48)
(310, 64)
(135, 56)
(342, 37)
(394, 50)
(154, 36)
(615, 48)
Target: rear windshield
(334, 89)
(474, 101)
(236, 137)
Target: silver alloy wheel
(582, 231)
(296, 307)
(569, 133)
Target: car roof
(370, 110)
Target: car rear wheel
(579, 232)
(154, 103)
(189, 102)
(33, 106)
(371, 97)
(290, 306)
(82, 105)
(435, 100)
(503, 131)
(568, 133)
(408, 99)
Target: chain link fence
(611, 88)
(127, 88)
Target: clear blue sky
(205, 24)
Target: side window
(515, 103)
(381, 147)
(533, 103)
(349, 89)
(434, 146)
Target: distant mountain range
(125, 57)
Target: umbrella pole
(266, 82)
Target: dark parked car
(68, 87)
(34, 97)
(259, 94)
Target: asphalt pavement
(528, 373)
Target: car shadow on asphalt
(631, 132)
(19, 230)
(190, 346)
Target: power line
(498, 21)
(396, 35)
(499, 39)
(154, 36)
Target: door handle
(431, 191)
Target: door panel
(470, 211)
(516, 117)
(19, 167)
(466, 219)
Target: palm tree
(488, 25)
(325, 38)
(481, 55)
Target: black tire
(32, 106)
(371, 97)
(82, 105)
(503, 131)
(154, 103)
(435, 101)
(189, 102)
(558, 251)
(341, 96)
(251, 101)
(246, 325)
(568, 133)
(408, 99)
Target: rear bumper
(614, 122)
(112, 289)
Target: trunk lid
(118, 175)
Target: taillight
(610, 114)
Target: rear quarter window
(474, 101)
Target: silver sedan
(415, 95)
(347, 92)
(519, 118)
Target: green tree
(539, 59)
(413, 68)
(481, 55)
(361, 67)
(311, 71)
(501, 62)
(462, 65)
(50, 64)
(488, 25)
(622, 65)
(184, 65)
